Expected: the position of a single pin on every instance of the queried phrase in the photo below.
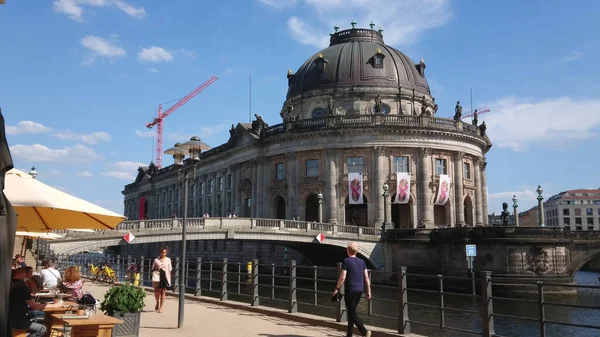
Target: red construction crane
(162, 115)
(479, 112)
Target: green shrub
(123, 298)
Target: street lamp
(320, 196)
(386, 194)
(516, 212)
(540, 206)
(194, 146)
(33, 172)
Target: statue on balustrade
(435, 106)
(482, 128)
(457, 111)
(475, 120)
(259, 125)
(505, 213)
(330, 106)
(377, 104)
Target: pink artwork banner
(402, 188)
(443, 190)
(355, 188)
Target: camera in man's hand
(337, 297)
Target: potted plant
(125, 302)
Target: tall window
(193, 189)
(589, 211)
(219, 184)
(400, 164)
(466, 170)
(565, 211)
(312, 168)
(201, 189)
(355, 164)
(210, 186)
(577, 211)
(229, 181)
(440, 166)
(279, 171)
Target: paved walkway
(204, 319)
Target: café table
(57, 308)
(98, 325)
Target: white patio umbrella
(43, 208)
(40, 235)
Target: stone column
(478, 192)
(213, 197)
(380, 177)
(266, 200)
(236, 189)
(292, 185)
(254, 189)
(224, 208)
(332, 176)
(425, 188)
(484, 193)
(459, 197)
(260, 182)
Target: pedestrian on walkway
(355, 277)
(161, 277)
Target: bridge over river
(532, 253)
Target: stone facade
(278, 171)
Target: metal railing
(463, 305)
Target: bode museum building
(358, 115)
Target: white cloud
(126, 170)
(520, 123)
(75, 9)
(90, 138)
(278, 3)
(526, 200)
(403, 21)
(100, 47)
(185, 52)
(27, 127)
(40, 153)
(574, 55)
(85, 174)
(54, 173)
(154, 54)
(202, 132)
(145, 133)
(153, 70)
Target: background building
(574, 210)
(358, 109)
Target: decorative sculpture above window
(321, 63)
(383, 110)
(319, 113)
(377, 59)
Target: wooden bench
(19, 333)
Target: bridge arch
(579, 258)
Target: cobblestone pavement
(204, 319)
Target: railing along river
(406, 306)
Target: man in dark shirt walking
(354, 276)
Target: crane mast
(158, 121)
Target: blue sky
(80, 78)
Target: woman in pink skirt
(161, 266)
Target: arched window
(385, 109)
(321, 63)
(319, 113)
(377, 59)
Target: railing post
(272, 281)
(370, 301)
(341, 315)
(210, 275)
(403, 323)
(255, 299)
(315, 286)
(141, 282)
(116, 268)
(441, 292)
(198, 291)
(224, 280)
(293, 302)
(176, 278)
(487, 318)
(540, 285)
(239, 272)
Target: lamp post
(516, 211)
(540, 206)
(386, 194)
(33, 173)
(194, 146)
(320, 196)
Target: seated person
(19, 302)
(35, 284)
(50, 275)
(72, 284)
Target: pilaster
(425, 188)
(260, 187)
(330, 185)
(254, 188)
(236, 189)
(484, 193)
(291, 164)
(380, 178)
(478, 192)
(459, 197)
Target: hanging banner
(142, 206)
(402, 188)
(443, 190)
(355, 188)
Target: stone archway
(440, 216)
(402, 216)
(278, 208)
(357, 215)
(311, 209)
(468, 211)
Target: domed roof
(352, 59)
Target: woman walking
(161, 277)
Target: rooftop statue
(457, 111)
